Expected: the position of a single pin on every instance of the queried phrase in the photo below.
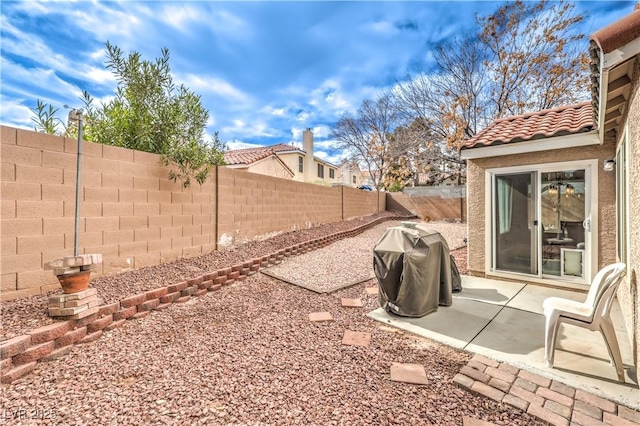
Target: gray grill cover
(413, 268)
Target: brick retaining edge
(539, 396)
(19, 355)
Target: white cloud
(251, 130)
(181, 15)
(14, 113)
(216, 86)
(381, 27)
(41, 81)
(236, 144)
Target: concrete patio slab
(351, 303)
(408, 373)
(454, 325)
(531, 297)
(356, 338)
(488, 291)
(320, 316)
(581, 359)
(508, 326)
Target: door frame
(591, 212)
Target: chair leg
(611, 341)
(550, 334)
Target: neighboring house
(261, 160)
(549, 193)
(294, 162)
(349, 174)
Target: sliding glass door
(514, 223)
(541, 222)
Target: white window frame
(591, 200)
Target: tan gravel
(349, 261)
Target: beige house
(285, 161)
(549, 193)
(262, 160)
(349, 174)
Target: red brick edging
(546, 399)
(19, 355)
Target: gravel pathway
(248, 354)
(349, 261)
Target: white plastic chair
(593, 314)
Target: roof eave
(536, 145)
(609, 61)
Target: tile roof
(251, 155)
(619, 33)
(559, 121)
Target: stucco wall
(476, 197)
(269, 167)
(628, 292)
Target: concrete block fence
(20, 355)
(131, 212)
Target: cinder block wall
(256, 205)
(435, 206)
(355, 201)
(131, 212)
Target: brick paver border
(19, 355)
(539, 396)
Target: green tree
(149, 113)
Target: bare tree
(537, 61)
(366, 136)
(526, 57)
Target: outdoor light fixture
(553, 189)
(609, 165)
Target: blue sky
(265, 70)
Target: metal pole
(78, 185)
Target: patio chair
(593, 314)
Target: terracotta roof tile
(251, 155)
(619, 33)
(559, 121)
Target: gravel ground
(324, 270)
(248, 354)
(21, 315)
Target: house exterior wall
(132, 213)
(291, 160)
(476, 196)
(628, 294)
(269, 167)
